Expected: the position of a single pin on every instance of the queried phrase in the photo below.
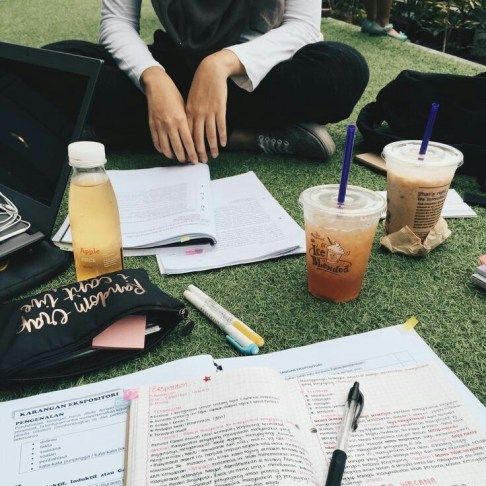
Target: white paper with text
(414, 429)
(454, 206)
(159, 206)
(250, 226)
(236, 428)
(382, 349)
(78, 435)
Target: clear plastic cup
(339, 239)
(417, 188)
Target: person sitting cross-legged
(239, 74)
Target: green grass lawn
(272, 296)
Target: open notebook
(78, 435)
(250, 426)
(194, 223)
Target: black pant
(321, 83)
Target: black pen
(352, 411)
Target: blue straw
(348, 154)
(428, 129)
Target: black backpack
(401, 109)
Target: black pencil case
(49, 335)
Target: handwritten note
(222, 431)
(413, 429)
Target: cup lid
(438, 154)
(359, 200)
(86, 155)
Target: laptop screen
(39, 108)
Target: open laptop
(44, 100)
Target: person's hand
(167, 116)
(206, 103)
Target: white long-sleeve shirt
(301, 25)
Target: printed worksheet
(414, 429)
(389, 348)
(77, 436)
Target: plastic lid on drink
(438, 154)
(359, 201)
(86, 155)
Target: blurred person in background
(378, 19)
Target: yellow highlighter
(249, 333)
(228, 316)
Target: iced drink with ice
(417, 186)
(339, 239)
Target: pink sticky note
(127, 333)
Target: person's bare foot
(396, 35)
(392, 32)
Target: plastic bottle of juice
(93, 213)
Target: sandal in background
(400, 35)
(371, 27)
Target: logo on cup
(328, 255)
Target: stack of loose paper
(250, 226)
(192, 223)
(454, 206)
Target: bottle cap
(86, 155)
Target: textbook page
(77, 435)
(250, 226)
(159, 206)
(382, 349)
(414, 429)
(235, 428)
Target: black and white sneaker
(306, 140)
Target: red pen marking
(194, 251)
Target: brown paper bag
(406, 242)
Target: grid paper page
(413, 428)
(234, 428)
